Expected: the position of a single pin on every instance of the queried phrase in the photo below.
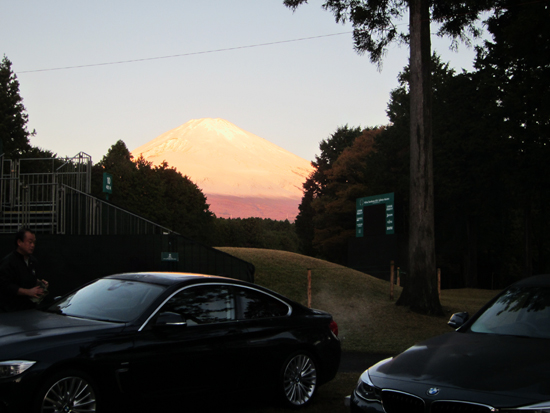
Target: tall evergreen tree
(334, 218)
(315, 185)
(515, 70)
(14, 136)
(158, 193)
(375, 27)
(119, 163)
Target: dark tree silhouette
(375, 27)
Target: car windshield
(521, 311)
(109, 300)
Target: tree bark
(420, 291)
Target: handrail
(57, 199)
(110, 205)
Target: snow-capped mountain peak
(226, 161)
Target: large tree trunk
(420, 291)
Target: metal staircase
(29, 190)
(53, 196)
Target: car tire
(67, 391)
(298, 379)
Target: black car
(498, 361)
(162, 335)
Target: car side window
(204, 304)
(255, 304)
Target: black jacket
(15, 274)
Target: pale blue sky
(293, 94)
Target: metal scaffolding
(52, 195)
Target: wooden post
(391, 280)
(439, 282)
(398, 278)
(309, 287)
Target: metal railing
(53, 196)
(29, 186)
(84, 214)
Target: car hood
(34, 324)
(501, 366)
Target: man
(20, 289)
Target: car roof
(177, 280)
(168, 278)
(534, 281)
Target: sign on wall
(169, 256)
(107, 183)
(379, 201)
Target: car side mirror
(170, 319)
(458, 319)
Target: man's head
(25, 240)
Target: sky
(134, 69)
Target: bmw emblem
(432, 391)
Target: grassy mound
(368, 320)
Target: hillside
(360, 304)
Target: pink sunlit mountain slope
(241, 174)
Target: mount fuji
(241, 174)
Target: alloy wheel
(299, 380)
(70, 395)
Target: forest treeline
(491, 151)
(491, 143)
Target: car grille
(396, 402)
(459, 407)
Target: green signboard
(363, 203)
(107, 183)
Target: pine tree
(14, 136)
(316, 183)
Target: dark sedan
(498, 361)
(158, 335)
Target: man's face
(26, 247)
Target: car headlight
(366, 389)
(14, 367)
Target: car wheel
(69, 391)
(299, 379)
